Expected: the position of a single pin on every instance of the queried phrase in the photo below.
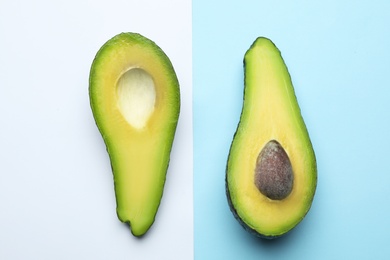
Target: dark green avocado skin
(231, 206)
(245, 226)
(242, 223)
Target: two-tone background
(56, 192)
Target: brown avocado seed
(273, 173)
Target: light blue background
(338, 55)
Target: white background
(56, 189)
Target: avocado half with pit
(135, 100)
(271, 173)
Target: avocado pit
(273, 173)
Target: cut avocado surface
(135, 100)
(271, 173)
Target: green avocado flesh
(135, 100)
(271, 173)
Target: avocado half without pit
(135, 100)
(271, 173)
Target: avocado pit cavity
(136, 95)
(273, 173)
